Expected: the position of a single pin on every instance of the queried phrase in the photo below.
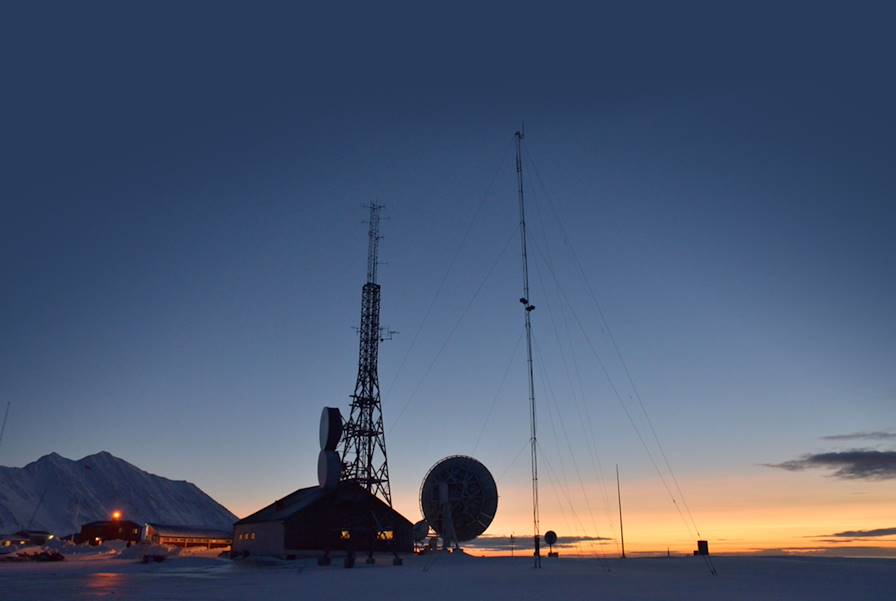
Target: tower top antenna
(373, 241)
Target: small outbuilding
(185, 536)
(345, 517)
(10, 540)
(33, 537)
(97, 532)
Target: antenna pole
(527, 310)
(5, 417)
(619, 497)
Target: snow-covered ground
(200, 578)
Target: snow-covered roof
(103, 523)
(188, 531)
(297, 501)
(288, 505)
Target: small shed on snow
(96, 532)
(318, 519)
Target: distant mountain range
(67, 493)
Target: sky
(182, 249)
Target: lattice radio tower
(364, 439)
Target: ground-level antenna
(619, 499)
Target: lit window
(345, 535)
(385, 535)
(251, 536)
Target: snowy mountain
(75, 492)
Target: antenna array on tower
(364, 441)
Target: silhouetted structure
(459, 499)
(528, 307)
(364, 440)
(316, 519)
(185, 536)
(351, 509)
(97, 532)
(26, 537)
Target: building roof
(286, 506)
(188, 531)
(102, 523)
(32, 533)
(303, 498)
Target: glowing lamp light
(116, 515)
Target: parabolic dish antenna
(459, 498)
(330, 428)
(329, 466)
(329, 469)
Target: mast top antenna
(373, 241)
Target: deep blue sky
(182, 248)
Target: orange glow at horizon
(761, 511)
(757, 510)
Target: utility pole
(619, 498)
(5, 416)
(527, 310)
(364, 441)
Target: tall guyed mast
(527, 311)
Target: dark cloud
(852, 551)
(843, 541)
(865, 533)
(854, 464)
(503, 543)
(880, 435)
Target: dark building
(185, 536)
(26, 537)
(97, 532)
(345, 517)
(35, 537)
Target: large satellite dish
(459, 498)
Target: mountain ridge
(59, 494)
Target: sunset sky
(183, 253)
